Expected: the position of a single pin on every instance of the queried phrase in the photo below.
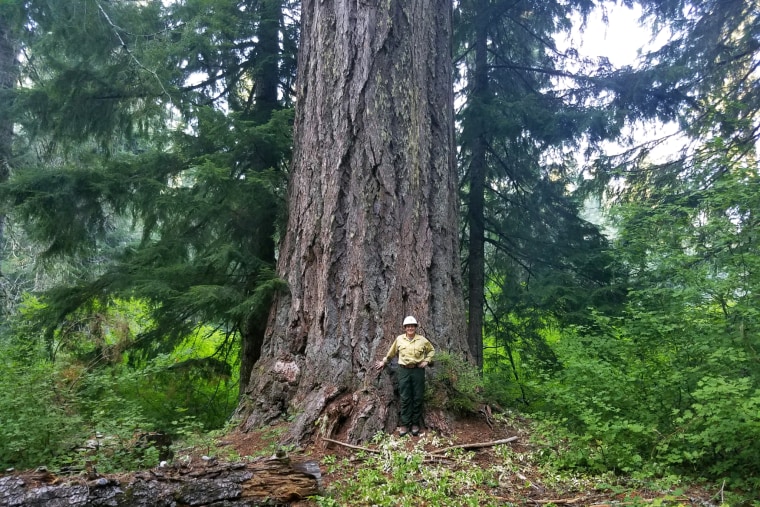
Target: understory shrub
(92, 407)
(455, 384)
(718, 434)
(627, 401)
(39, 420)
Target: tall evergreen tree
(700, 198)
(703, 80)
(685, 348)
(372, 231)
(8, 78)
(184, 133)
(518, 134)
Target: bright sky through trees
(615, 32)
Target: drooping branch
(129, 51)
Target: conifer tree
(685, 346)
(168, 117)
(698, 200)
(8, 77)
(518, 135)
(372, 231)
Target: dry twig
(475, 446)
(429, 453)
(358, 447)
(561, 501)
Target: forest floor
(522, 482)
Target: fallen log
(266, 481)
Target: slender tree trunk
(266, 74)
(476, 201)
(372, 232)
(8, 76)
(266, 79)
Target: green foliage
(516, 347)
(527, 245)
(670, 384)
(39, 418)
(90, 407)
(152, 174)
(717, 434)
(653, 393)
(397, 477)
(500, 385)
(455, 384)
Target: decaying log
(269, 481)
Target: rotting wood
(261, 482)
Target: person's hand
(379, 365)
(423, 364)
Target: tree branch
(129, 52)
(476, 445)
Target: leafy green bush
(654, 394)
(718, 434)
(500, 386)
(51, 420)
(90, 407)
(39, 420)
(455, 384)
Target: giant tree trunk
(372, 233)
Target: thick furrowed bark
(372, 233)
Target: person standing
(414, 354)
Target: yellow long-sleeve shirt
(411, 351)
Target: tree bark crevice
(372, 230)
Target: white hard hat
(410, 321)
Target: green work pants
(411, 387)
